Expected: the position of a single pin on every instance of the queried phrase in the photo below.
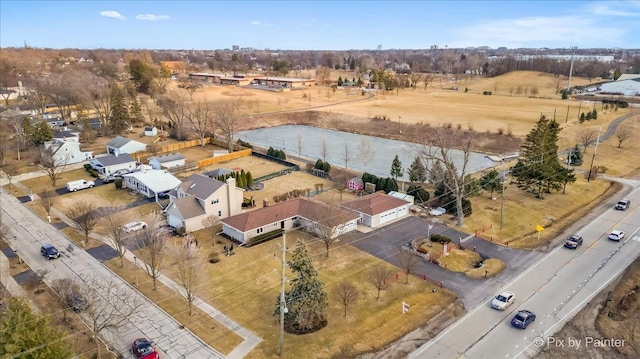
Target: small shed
(355, 184)
(167, 161)
(150, 131)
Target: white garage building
(626, 85)
(378, 208)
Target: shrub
(419, 194)
(486, 93)
(118, 183)
(213, 257)
(326, 167)
(500, 131)
(244, 144)
(440, 238)
(281, 155)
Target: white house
(377, 208)
(150, 131)
(108, 164)
(316, 217)
(65, 135)
(150, 183)
(627, 85)
(167, 161)
(122, 145)
(199, 197)
(66, 153)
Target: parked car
(48, 251)
(76, 301)
(616, 235)
(522, 319)
(573, 242)
(437, 211)
(79, 184)
(115, 175)
(623, 204)
(503, 300)
(142, 348)
(134, 226)
(164, 194)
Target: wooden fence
(211, 160)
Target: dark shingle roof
(200, 186)
(115, 160)
(118, 142)
(189, 207)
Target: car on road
(134, 226)
(573, 242)
(76, 301)
(623, 204)
(522, 319)
(48, 251)
(142, 348)
(503, 300)
(616, 235)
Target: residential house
(167, 162)
(65, 135)
(108, 164)
(150, 183)
(66, 153)
(120, 145)
(378, 208)
(199, 197)
(355, 184)
(150, 131)
(218, 172)
(314, 216)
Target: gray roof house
(121, 145)
(108, 164)
(169, 161)
(199, 197)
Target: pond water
(311, 143)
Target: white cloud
(151, 17)
(112, 14)
(255, 23)
(616, 8)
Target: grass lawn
(490, 268)
(459, 260)
(43, 183)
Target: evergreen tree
(281, 155)
(25, 334)
(340, 81)
(319, 164)
(436, 173)
(381, 184)
(419, 194)
(538, 166)
(306, 298)
(326, 166)
(582, 117)
(575, 156)
(249, 179)
(396, 168)
(417, 172)
(119, 117)
(40, 133)
(492, 182)
(594, 114)
(471, 186)
(391, 185)
(566, 176)
(135, 112)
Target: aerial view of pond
(311, 142)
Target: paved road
(555, 289)
(153, 323)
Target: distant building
(629, 85)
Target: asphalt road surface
(555, 289)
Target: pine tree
(249, 179)
(135, 112)
(538, 167)
(491, 182)
(575, 156)
(306, 299)
(396, 168)
(594, 114)
(417, 171)
(119, 117)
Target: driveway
(386, 242)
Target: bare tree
(63, 90)
(380, 276)
(300, 144)
(174, 108)
(328, 223)
(414, 79)
(11, 171)
(114, 222)
(152, 244)
(212, 224)
(322, 74)
(110, 305)
(341, 182)
(200, 119)
(38, 277)
(63, 288)
(623, 133)
(324, 149)
(226, 118)
(441, 151)
(52, 166)
(5, 137)
(191, 270)
(47, 200)
(408, 262)
(346, 155)
(84, 217)
(366, 151)
(346, 293)
(586, 136)
(191, 86)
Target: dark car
(142, 348)
(48, 251)
(573, 242)
(76, 302)
(523, 319)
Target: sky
(319, 25)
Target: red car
(142, 348)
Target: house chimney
(265, 203)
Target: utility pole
(283, 303)
(504, 178)
(594, 155)
(573, 55)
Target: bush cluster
(440, 238)
(382, 184)
(486, 93)
(243, 179)
(276, 153)
(244, 144)
(321, 165)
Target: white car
(616, 235)
(503, 300)
(134, 226)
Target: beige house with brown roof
(199, 197)
(377, 208)
(313, 216)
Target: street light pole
(504, 178)
(283, 304)
(573, 49)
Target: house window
(214, 201)
(259, 230)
